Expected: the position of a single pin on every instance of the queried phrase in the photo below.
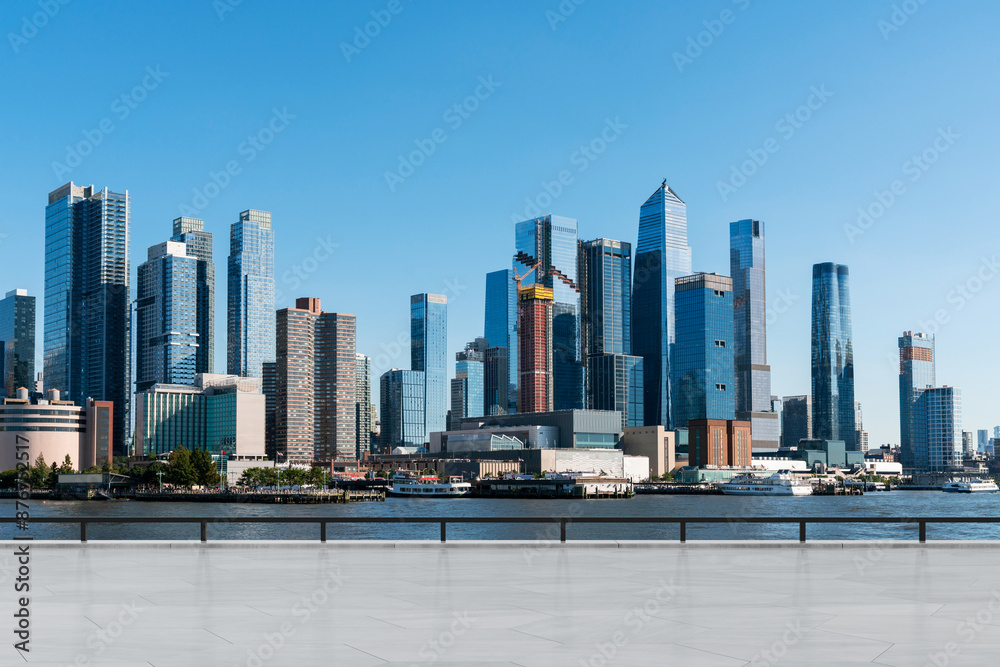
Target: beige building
(654, 442)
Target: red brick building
(534, 344)
(719, 442)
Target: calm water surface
(896, 503)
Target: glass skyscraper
(704, 366)
(191, 232)
(501, 331)
(938, 414)
(916, 375)
(796, 420)
(551, 241)
(429, 355)
(615, 383)
(661, 256)
(250, 332)
(402, 409)
(467, 396)
(166, 317)
(88, 332)
(832, 355)
(17, 336)
(753, 375)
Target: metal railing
(563, 522)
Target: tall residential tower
(191, 232)
(429, 355)
(250, 331)
(832, 355)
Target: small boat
(429, 487)
(780, 483)
(101, 495)
(973, 486)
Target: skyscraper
(916, 375)
(832, 355)
(363, 406)
(551, 242)
(402, 409)
(250, 333)
(429, 355)
(191, 232)
(982, 439)
(501, 331)
(315, 384)
(534, 330)
(661, 256)
(166, 317)
(704, 372)
(753, 375)
(496, 386)
(796, 418)
(467, 386)
(860, 434)
(938, 414)
(614, 376)
(17, 334)
(968, 447)
(88, 332)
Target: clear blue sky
(221, 74)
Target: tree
(67, 466)
(204, 468)
(39, 473)
(181, 471)
(8, 479)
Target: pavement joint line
(334, 545)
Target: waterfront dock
(338, 496)
(592, 488)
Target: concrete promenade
(524, 603)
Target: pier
(268, 497)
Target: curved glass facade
(832, 355)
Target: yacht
(973, 486)
(429, 487)
(780, 483)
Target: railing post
(684, 532)
(204, 531)
(562, 530)
(83, 531)
(923, 531)
(802, 531)
(444, 532)
(322, 531)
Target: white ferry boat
(780, 483)
(429, 487)
(974, 486)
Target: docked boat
(974, 486)
(780, 483)
(429, 487)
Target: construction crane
(518, 279)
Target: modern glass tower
(17, 334)
(88, 332)
(429, 355)
(166, 317)
(467, 398)
(753, 375)
(250, 331)
(938, 413)
(832, 355)
(551, 241)
(501, 331)
(796, 418)
(661, 256)
(402, 409)
(704, 366)
(916, 375)
(191, 232)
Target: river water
(895, 503)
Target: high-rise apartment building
(938, 414)
(860, 434)
(753, 375)
(500, 331)
(17, 341)
(316, 383)
(363, 406)
(467, 398)
(703, 365)
(429, 355)
(796, 420)
(916, 375)
(982, 439)
(968, 446)
(832, 355)
(88, 318)
(661, 256)
(250, 336)
(191, 232)
(401, 415)
(166, 317)
(534, 331)
(550, 241)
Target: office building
(614, 382)
(467, 398)
(719, 442)
(315, 385)
(968, 446)
(860, 434)
(269, 387)
(501, 332)
(576, 429)
(166, 317)
(550, 242)
(982, 440)
(832, 355)
(429, 355)
(938, 415)
(534, 331)
(17, 341)
(88, 317)
(401, 415)
(363, 406)
(916, 375)
(796, 420)
(661, 256)
(496, 386)
(250, 332)
(753, 375)
(198, 243)
(776, 405)
(703, 366)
